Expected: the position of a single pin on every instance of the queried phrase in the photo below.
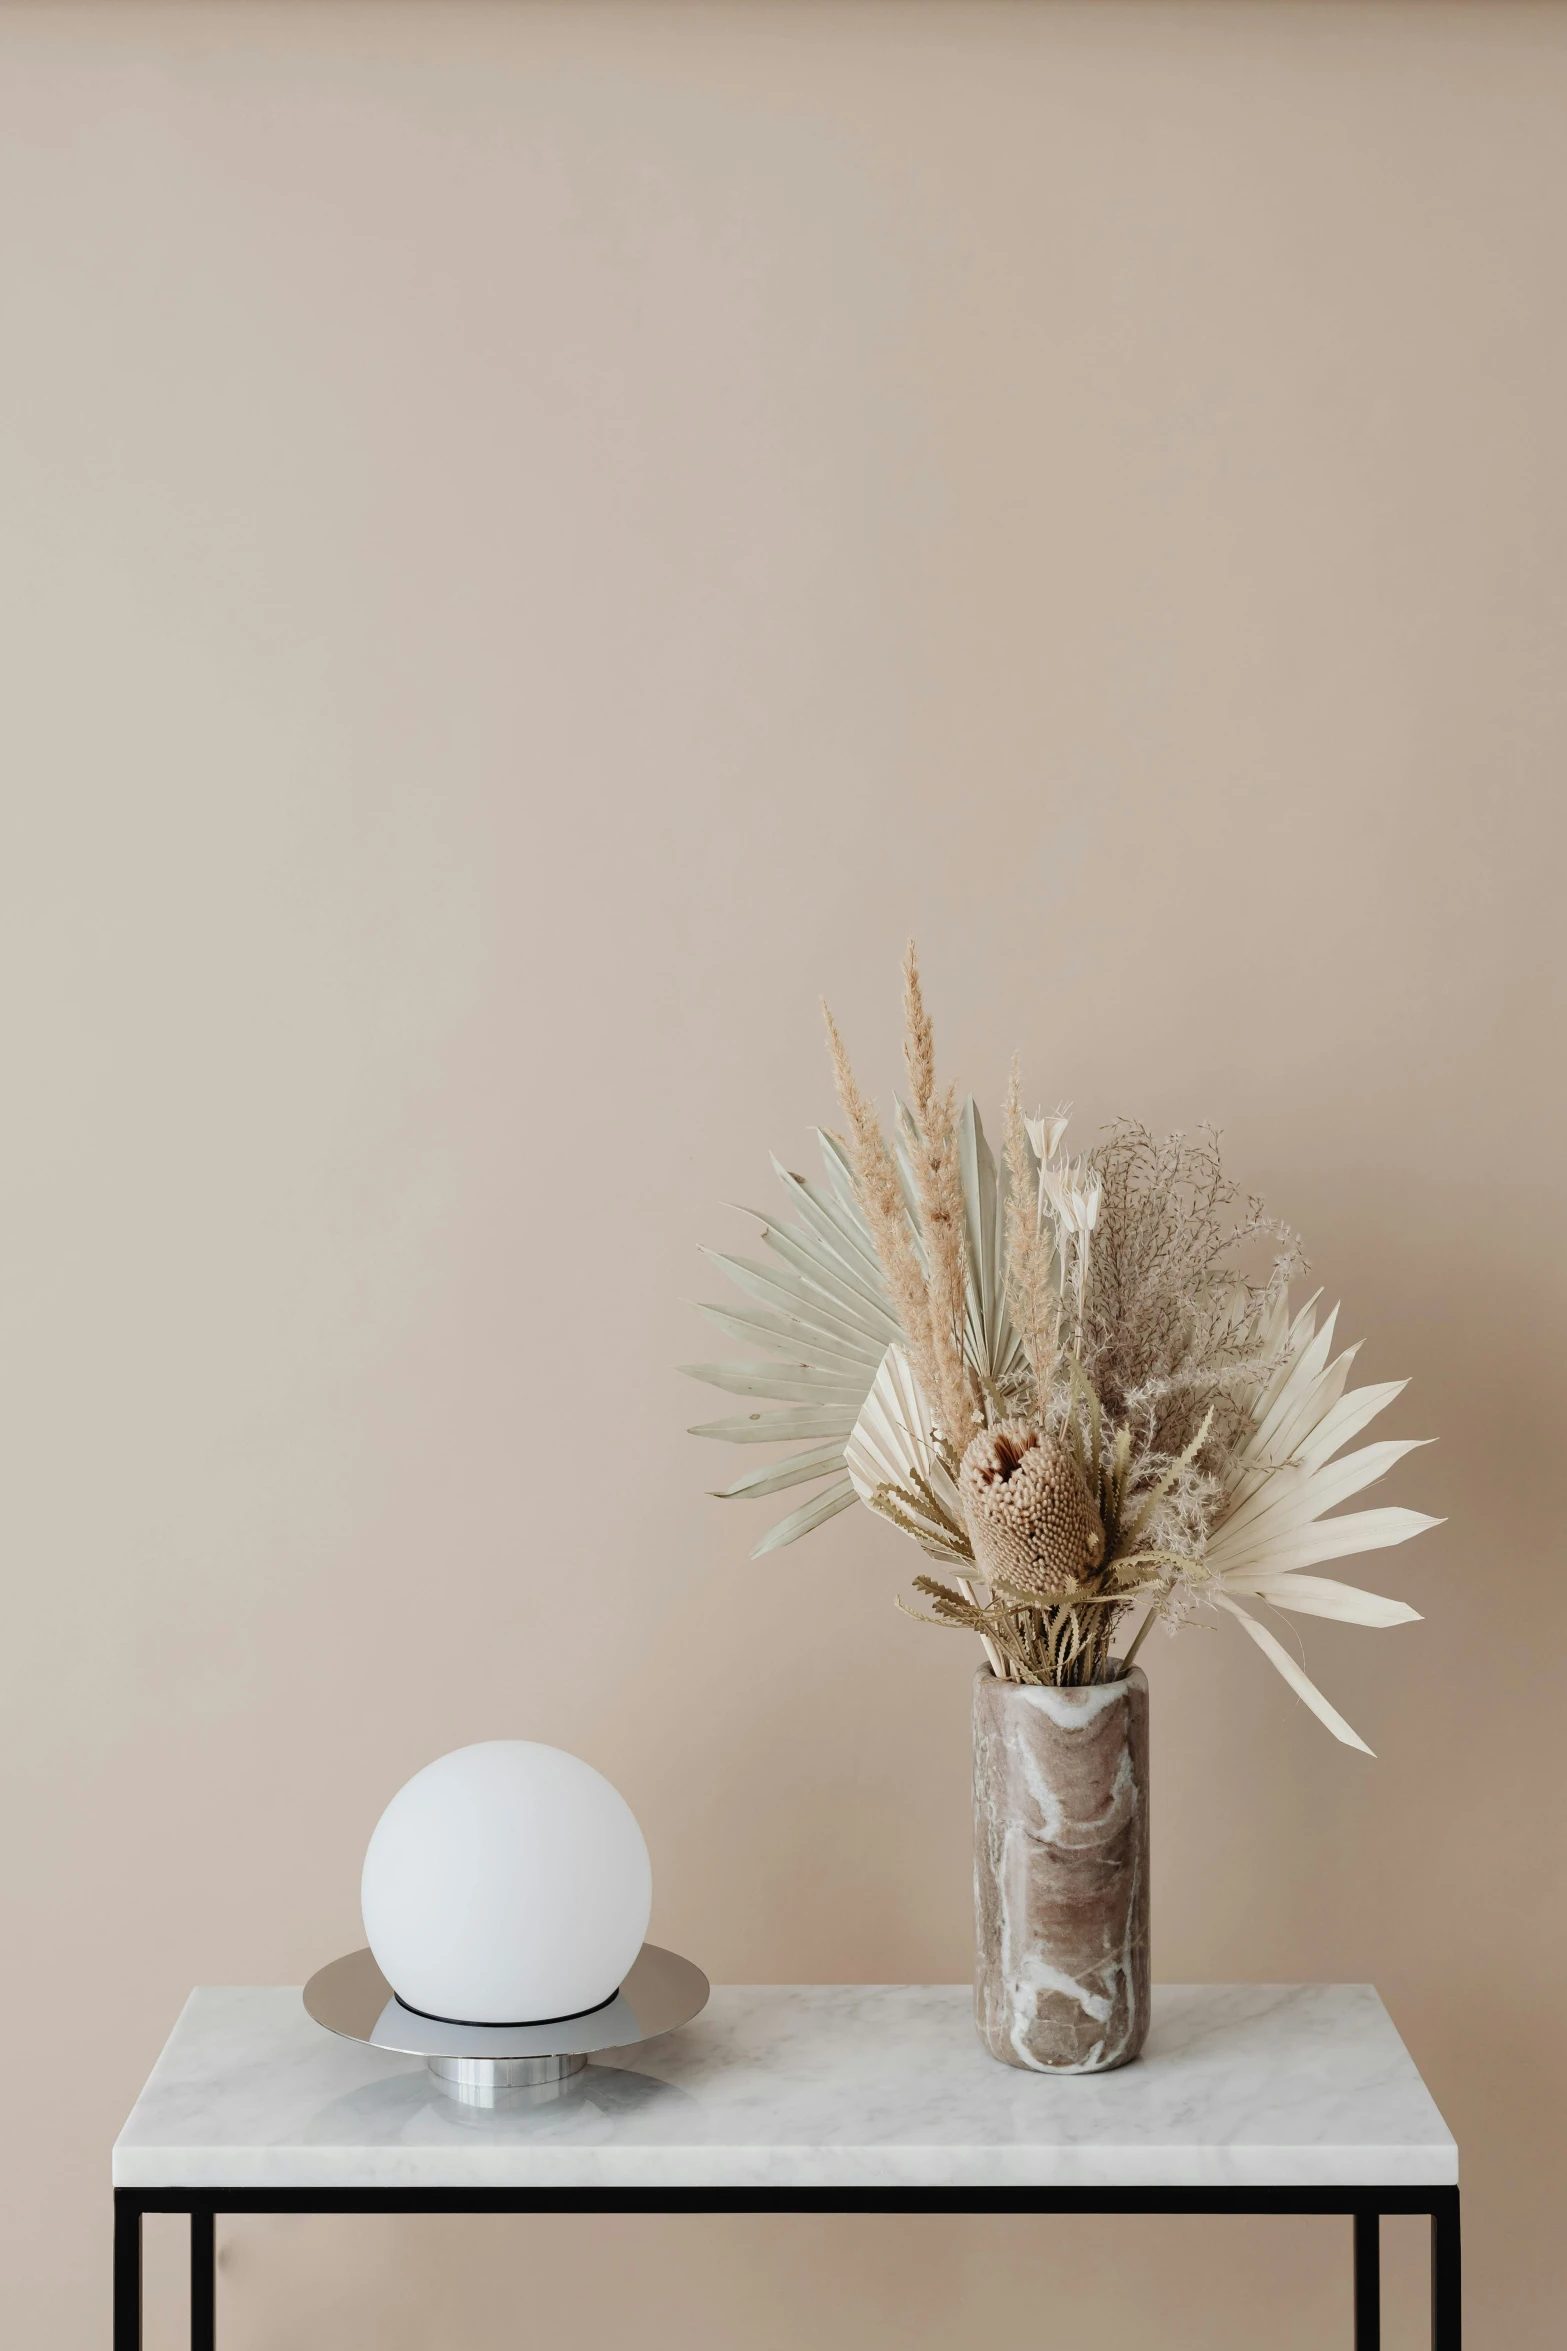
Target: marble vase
(1061, 1873)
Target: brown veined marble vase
(1061, 1873)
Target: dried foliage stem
(1139, 1637)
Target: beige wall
(534, 542)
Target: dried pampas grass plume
(930, 1298)
(881, 1197)
(1033, 1298)
(931, 1131)
(1032, 1526)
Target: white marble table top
(810, 2085)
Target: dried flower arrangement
(1055, 1376)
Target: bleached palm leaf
(758, 1328)
(780, 1428)
(1299, 1491)
(993, 1345)
(838, 1496)
(775, 1477)
(1285, 1478)
(1278, 1655)
(1346, 1419)
(1317, 1595)
(819, 1308)
(892, 1447)
(844, 1235)
(1333, 1538)
(799, 1383)
(818, 1305)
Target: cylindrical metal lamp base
(497, 2081)
(489, 2064)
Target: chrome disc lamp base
(506, 2065)
(505, 2081)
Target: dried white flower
(1045, 1133)
(1074, 1191)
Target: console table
(807, 2098)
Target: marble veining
(1061, 1873)
(810, 2085)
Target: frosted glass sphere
(506, 1884)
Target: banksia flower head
(1032, 1526)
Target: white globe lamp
(507, 1883)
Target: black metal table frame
(1364, 2205)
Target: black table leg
(203, 2282)
(1368, 2282)
(1447, 2299)
(127, 2277)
